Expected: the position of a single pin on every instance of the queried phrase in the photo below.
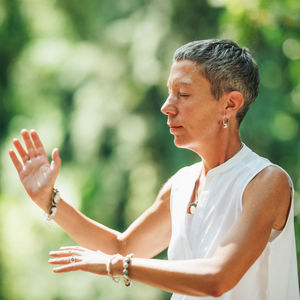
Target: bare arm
(265, 201)
(146, 237)
(38, 177)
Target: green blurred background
(91, 76)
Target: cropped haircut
(227, 66)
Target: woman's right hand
(36, 173)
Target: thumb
(56, 161)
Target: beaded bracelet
(54, 201)
(126, 263)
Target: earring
(225, 122)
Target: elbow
(217, 291)
(219, 284)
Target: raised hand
(36, 173)
(75, 258)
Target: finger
(28, 142)
(72, 248)
(38, 143)
(65, 253)
(56, 161)
(15, 161)
(64, 260)
(59, 261)
(23, 154)
(69, 268)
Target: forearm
(85, 231)
(198, 277)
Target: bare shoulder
(165, 192)
(272, 173)
(270, 191)
(271, 178)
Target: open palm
(36, 173)
(83, 260)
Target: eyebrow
(182, 82)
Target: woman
(227, 220)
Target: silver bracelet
(108, 269)
(53, 208)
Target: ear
(234, 101)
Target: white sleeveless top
(274, 274)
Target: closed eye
(184, 95)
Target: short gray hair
(227, 66)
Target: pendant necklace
(194, 204)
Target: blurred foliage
(90, 76)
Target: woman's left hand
(75, 258)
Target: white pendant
(193, 208)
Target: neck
(216, 152)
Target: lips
(173, 126)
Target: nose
(168, 108)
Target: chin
(180, 142)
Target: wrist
(55, 198)
(117, 265)
(44, 200)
